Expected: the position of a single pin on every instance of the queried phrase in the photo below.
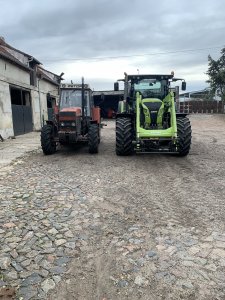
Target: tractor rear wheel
(184, 136)
(93, 138)
(124, 136)
(48, 144)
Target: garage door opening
(108, 102)
(21, 111)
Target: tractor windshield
(70, 98)
(150, 88)
(73, 98)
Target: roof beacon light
(172, 73)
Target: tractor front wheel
(93, 138)
(124, 136)
(48, 144)
(184, 136)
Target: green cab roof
(150, 76)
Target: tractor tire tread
(47, 144)
(93, 138)
(124, 137)
(184, 136)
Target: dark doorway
(21, 111)
(51, 102)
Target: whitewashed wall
(12, 75)
(6, 125)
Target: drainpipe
(39, 96)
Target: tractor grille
(67, 114)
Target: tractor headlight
(62, 124)
(73, 124)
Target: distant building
(108, 102)
(27, 91)
(198, 95)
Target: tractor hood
(77, 110)
(69, 113)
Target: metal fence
(195, 106)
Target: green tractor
(147, 121)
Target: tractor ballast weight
(147, 121)
(75, 120)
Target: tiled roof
(16, 56)
(12, 49)
(49, 76)
(5, 54)
(23, 59)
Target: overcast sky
(139, 34)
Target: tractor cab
(152, 91)
(150, 88)
(71, 98)
(75, 107)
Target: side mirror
(183, 86)
(116, 86)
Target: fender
(181, 115)
(125, 115)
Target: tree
(216, 73)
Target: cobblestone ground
(80, 226)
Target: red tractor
(75, 120)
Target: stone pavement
(80, 226)
(11, 149)
(35, 229)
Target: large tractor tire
(184, 136)
(48, 144)
(93, 138)
(124, 136)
